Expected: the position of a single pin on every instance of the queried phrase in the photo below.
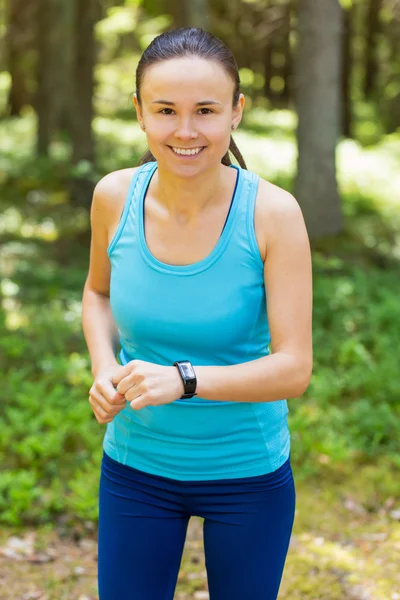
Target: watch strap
(189, 385)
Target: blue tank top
(212, 312)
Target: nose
(185, 130)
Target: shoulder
(109, 196)
(277, 214)
(275, 203)
(110, 187)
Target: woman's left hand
(148, 384)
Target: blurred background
(322, 120)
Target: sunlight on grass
(330, 553)
(266, 155)
(372, 172)
(14, 317)
(5, 84)
(18, 135)
(282, 121)
(123, 131)
(12, 221)
(9, 287)
(46, 230)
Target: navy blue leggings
(143, 520)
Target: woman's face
(187, 104)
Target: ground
(345, 545)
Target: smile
(187, 151)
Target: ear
(238, 110)
(136, 105)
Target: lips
(187, 155)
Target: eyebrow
(202, 103)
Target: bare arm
(99, 328)
(286, 373)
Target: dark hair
(184, 42)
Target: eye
(208, 111)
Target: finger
(100, 415)
(138, 403)
(122, 372)
(130, 381)
(108, 392)
(134, 392)
(118, 398)
(100, 404)
(111, 408)
(139, 399)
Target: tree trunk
(55, 92)
(286, 49)
(371, 46)
(267, 68)
(347, 71)
(20, 43)
(317, 93)
(86, 14)
(392, 108)
(189, 13)
(85, 50)
(178, 12)
(44, 77)
(197, 13)
(64, 58)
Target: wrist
(180, 388)
(188, 377)
(104, 366)
(207, 379)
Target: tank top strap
(244, 229)
(141, 175)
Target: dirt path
(340, 550)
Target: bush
(50, 442)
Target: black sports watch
(188, 377)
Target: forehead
(187, 78)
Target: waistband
(268, 481)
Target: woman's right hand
(104, 399)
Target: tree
(45, 75)
(372, 27)
(55, 70)
(86, 15)
(347, 70)
(20, 44)
(317, 94)
(189, 13)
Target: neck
(185, 198)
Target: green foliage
(48, 437)
(352, 405)
(50, 442)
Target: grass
(345, 448)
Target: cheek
(158, 130)
(218, 130)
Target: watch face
(188, 372)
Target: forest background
(322, 120)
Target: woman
(187, 253)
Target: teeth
(187, 152)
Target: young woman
(197, 266)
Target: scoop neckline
(215, 253)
